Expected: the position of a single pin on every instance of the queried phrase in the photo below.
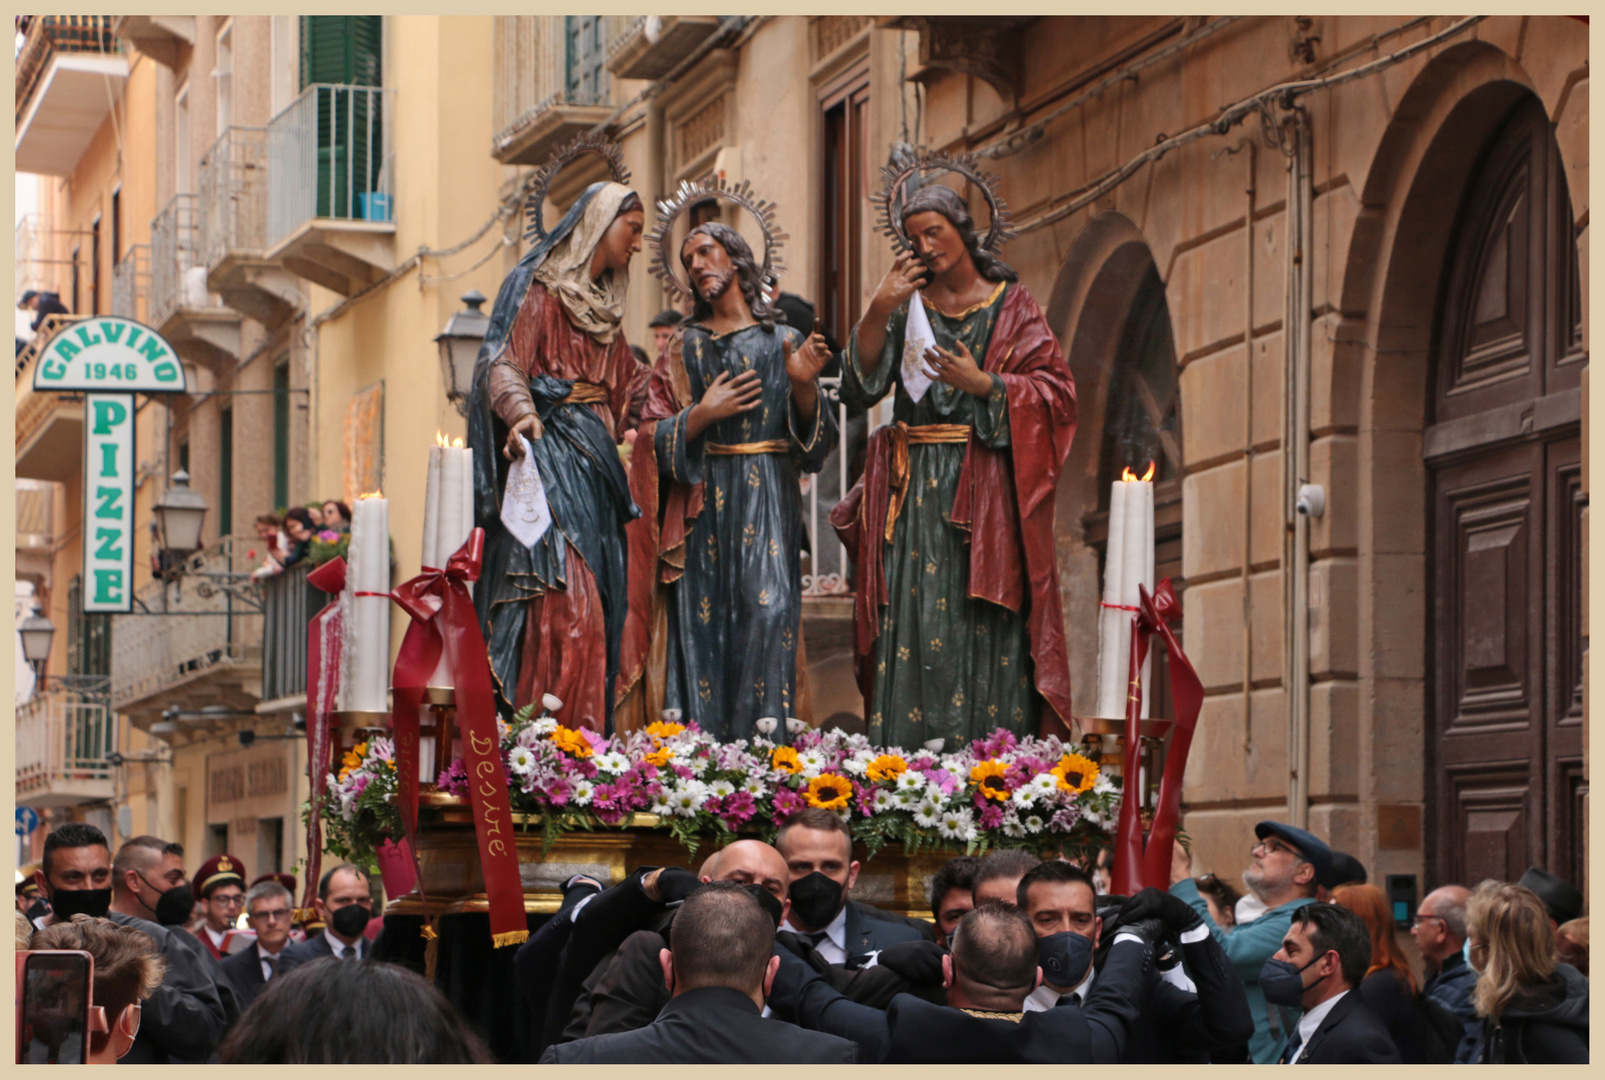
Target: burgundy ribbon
(324, 633)
(444, 622)
(1138, 865)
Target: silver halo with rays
(889, 201)
(599, 145)
(713, 187)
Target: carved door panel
(1504, 759)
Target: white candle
(454, 520)
(432, 509)
(1128, 562)
(367, 644)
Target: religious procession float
(602, 664)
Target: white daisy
(721, 788)
(544, 726)
(956, 825)
(1012, 827)
(1023, 796)
(583, 790)
(1034, 823)
(1044, 785)
(612, 762)
(911, 781)
(754, 785)
(813, 763)
(884, 800)
(699, 765)
(521, 760)
(928, 813)
(660, 805)
(687, 798)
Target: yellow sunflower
(1075, 773)
(886, 767)
(570, 740)
(659, 757)
(662, 729)
(829, 792)
(784, 759)
(988, 777)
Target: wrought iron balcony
(288, 603)
(130, 284)
(70, 68)
(651, 45)
(192, 643)
(183, 309)
(233, 227)
(331, 187)
(533, 106)
(63, 738)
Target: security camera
(1311, 500)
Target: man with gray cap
(1287, 866)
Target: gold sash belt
(904, 436)
(768, 446)
(585, 393)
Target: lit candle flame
(1130, 477)
(370, 495)
(456, 444)
(440, 439)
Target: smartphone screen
(55, 1009)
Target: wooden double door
(1505, 748)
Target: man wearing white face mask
(128, 970)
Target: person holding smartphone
(127, 971)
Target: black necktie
(1292, 1046)
(815, 937)
(273, 965)
(348, 952)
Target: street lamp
(459, 347)
(37, 633)
(179, 515)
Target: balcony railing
(329, 156)
(825, 563)
(288, 602)
(62, 742)
(179, 632)
(46, 35)
(131, 284)
(178, 273)
(533, 104)
(234, 194)
(36, 509)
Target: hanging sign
(109, 353)
(108, 537)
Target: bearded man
(731, 419)
(958, 626)
(556, 371)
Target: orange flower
(571, 741)
(988, 776)
(886, 767)
(659, 757)
(1075, 773)
(662, 729)
(829, 792)
(784, 759)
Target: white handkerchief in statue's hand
(917, 337)
(524, 509)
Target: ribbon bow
(1138, 865)
(444, 622)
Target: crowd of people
(763, 954)
(288, 540)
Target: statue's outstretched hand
(531, 428)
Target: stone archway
(1108, 274)
(1384, 347)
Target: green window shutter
(585, 73)
(225, 484)
(345, 50)
(281, 435)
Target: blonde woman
(1534, 1008)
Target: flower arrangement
(1001, 791)
(328, 544)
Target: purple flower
(1065, 819)
(991, 816)
(864, 796)
(786, 803)
(997, 744)
(329, 536)
(737, 808)
(558, 792)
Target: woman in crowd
(1221, 898)
(336, 516)
(349, 1012)
(299, 527)
(1534, 1008)
(1389, 986)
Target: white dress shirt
(216, 938)
(833, 946)
(1309, 1022)
(1046, 997)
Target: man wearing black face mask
(75, 873)
(184, 1020)
(818, 850)
(1322, 958)
(345, 903)
(1173, 1025)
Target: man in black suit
(344, 904)
(268, 908)
(719, 972)
(992, 969)
(818, 849)
(1323, 958)
(1174, 1025)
